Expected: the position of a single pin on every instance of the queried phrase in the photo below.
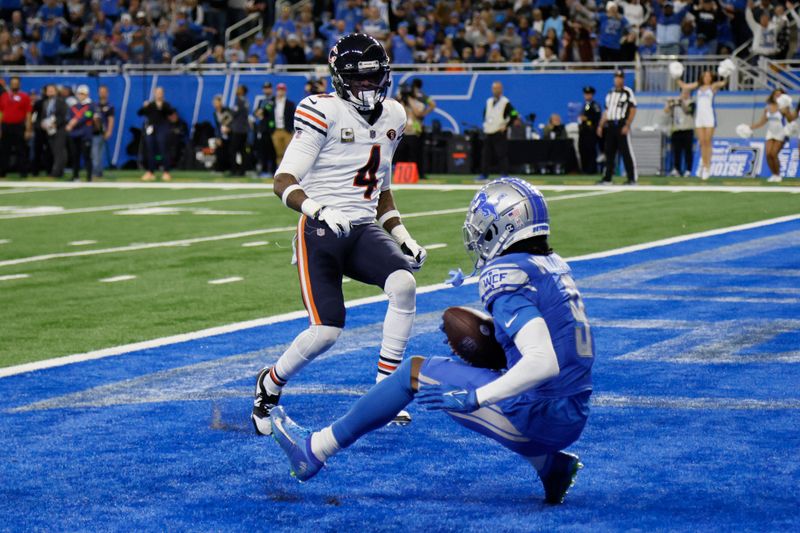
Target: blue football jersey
(517, 288)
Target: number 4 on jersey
(367, 176)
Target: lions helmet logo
(487, 207)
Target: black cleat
(403, 418)
(263, 403)
(561, 477)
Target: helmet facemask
(366, 90)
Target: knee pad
(401, 288)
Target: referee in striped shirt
(615, 126)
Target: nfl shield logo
(320, 232)
(371, 134)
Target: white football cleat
(775, 179)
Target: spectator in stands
(349, 11)
(305, 26)
(54, 124)
(668, 29)
(284, 122)
(258, 48)
(50, 39)
(765, 32)
(293, 51)
(80, 128)
(284, 25)
(97, 51)
(217, 55)
(374, 25)
(265, 112)
(538, 21)
(162, 42)
(156, 132)
(401, 46)
(554, 21)
(332, 31)
(139, 48)
(708, 17)
(103, 130)
(234, 53)
(700, 46)
(274, 57)
(318, 55)
(613, 29)
(15, 127)
(648, 46)
(239, 129)
(510, 39)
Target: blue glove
(448, 398)
(456, 278)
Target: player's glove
(416, 253)
(336, 220)
(448, 398)
(339, 223)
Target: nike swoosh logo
(513, 318)
(312, 101)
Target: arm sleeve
(539, 363)
(311, 124)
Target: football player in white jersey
(337, 174)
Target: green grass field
(61, 306)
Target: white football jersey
(340, 159)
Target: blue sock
(377, 407)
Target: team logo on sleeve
(347, 135)
(391, 134)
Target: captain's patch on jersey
(391, 134)
(347, 135)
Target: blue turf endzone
(710, 460)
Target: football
(470, 335)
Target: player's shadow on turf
(219, 424)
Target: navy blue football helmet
(360, 70)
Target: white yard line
(82, 243)
(227, 236)
(254, 243)
(124, 207)
(114, 279)
(223, 281)
(435, 246)
(14, 276)
(5, 241)
(285, 317)
(417, 187)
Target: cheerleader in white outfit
(705, 120)
(774, 118)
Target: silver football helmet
(504, 211)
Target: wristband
(310, 208)
(400, 234)
(387, 215)
(289, 190)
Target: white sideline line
(114, 279)
(24, 191)
(124, 207)
(82, 243)
(223, 281)
(14, 276)
(417, 187)
(227, 236)
(285, 317)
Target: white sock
(304, 348)
(400, 287)
(323, 444)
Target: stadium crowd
(35, 32)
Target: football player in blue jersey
(536, 407)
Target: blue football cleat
(561, 477)
(297, 448)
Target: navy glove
(448, 398)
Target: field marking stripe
(403, 187)
(23, 191)
(212, 238)
(293, 315)
(222, 281)
(14, 276)
(123, 207)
